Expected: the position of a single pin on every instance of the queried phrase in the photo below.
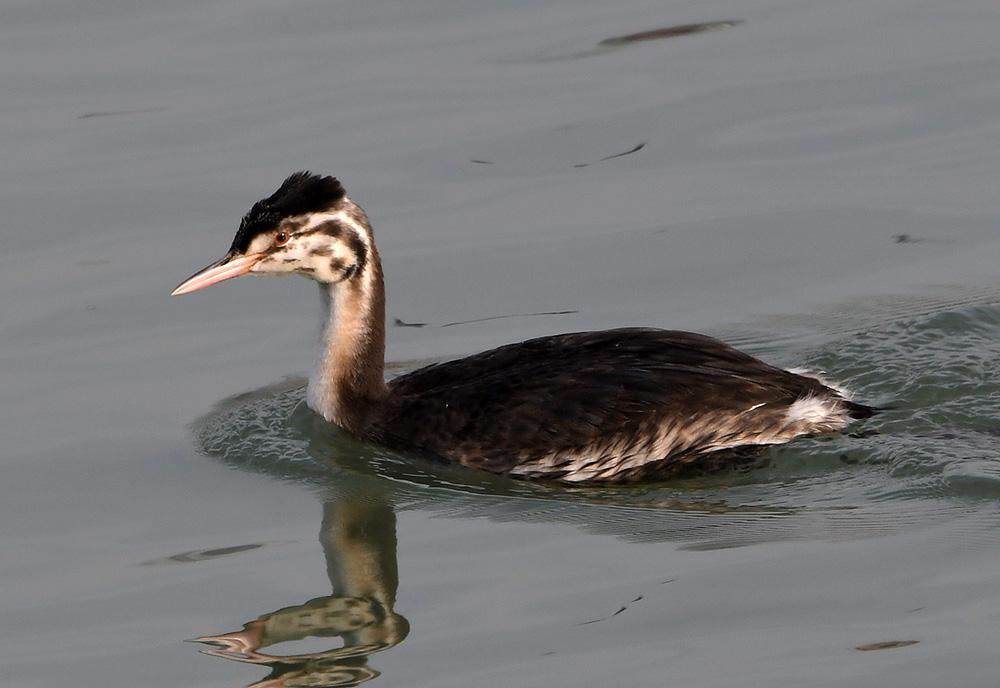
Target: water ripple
(932, 456)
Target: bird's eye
(281, 238)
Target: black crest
(301, 193)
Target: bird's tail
(858, 411)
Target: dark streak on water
(120, 113)
(619, 42)
(669, 32)
(636, 149)
(206, 554)
(886, 645)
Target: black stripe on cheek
(331, 228)
(321, 251)
(360, 251)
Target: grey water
(813, 182)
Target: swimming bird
(619, 405)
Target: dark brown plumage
(618, 405)
(601, 395)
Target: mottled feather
(613, 405)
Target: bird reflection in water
(359, 540)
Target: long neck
(347, 385)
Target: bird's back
(616, 405)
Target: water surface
(814, 182)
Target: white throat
(347, 380)
(319, 394)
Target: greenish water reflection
(358, 536)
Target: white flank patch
(814, 411)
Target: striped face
(329, 247)
(308, 226)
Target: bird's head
(308, 226)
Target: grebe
(614, 406)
